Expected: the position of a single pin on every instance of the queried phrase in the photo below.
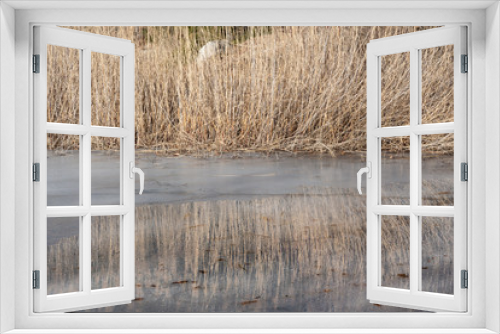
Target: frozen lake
(186, 179)
(252, 233)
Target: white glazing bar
(392, 131)
(414, 170)
(86, 120)
(434, 129)
(67, 211)
(123, 174)
(392, 210)
(433, 211)
(423, 129)
(87, 171)
(374, 198)
(417, 121)
(69, 129)
(80, 177)
(372, 191)
(419, 210)
(128, 154)
(78, 129)
(105, 131)
(78, 211)
(109, 210)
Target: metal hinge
(36, 279)
(464, 171)
(36, 63)
(36, 172)
(464, 279)
(465, 64)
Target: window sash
(85, 298)
(413, 43)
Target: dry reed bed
(276, 88)
(300, 252)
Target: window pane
(437, 170)
(63, 170)
(395, 246)
(105, 252)
(63, 255)
(105, 89)
(395, 89)
(395, 171)
(437, 84)
(437, 254)
(63, 85)
(106, 171)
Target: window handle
(134, 170)
(368, 171)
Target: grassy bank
(275, 88)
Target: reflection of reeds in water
(105, 252)
(300, 252)
(437, 254)
(63, 264)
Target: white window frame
(413, 44)
(483, 125)
(86, 44)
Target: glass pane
(395, 240)
(105, 252)
(105, 89)
(437, 169)
(63, 255)
(63, 170)
(437, 254)
(395, 171)
(437, 84)
(63, 85)
(395, 89)
(105, 171)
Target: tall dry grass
(276, 88)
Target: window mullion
(414, 169)
(85, 151)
